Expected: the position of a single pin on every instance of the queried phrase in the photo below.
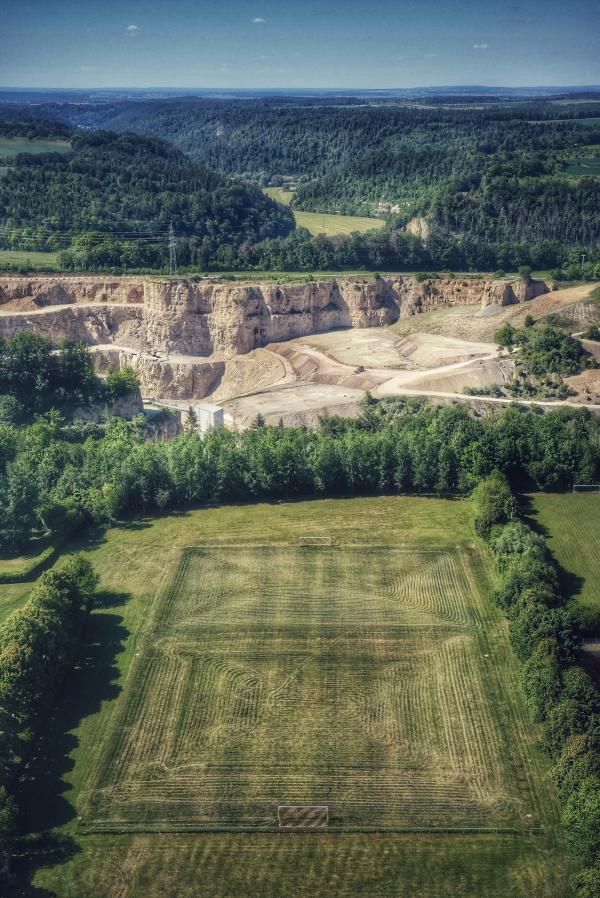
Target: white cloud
(480, 46)
(132, 30)
(259, 20)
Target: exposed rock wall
(220, 320)
(35, 292)
(90, 324)
(161, 377)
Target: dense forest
(490, 184)
(24, 123)
(491, 172)
(117, 194)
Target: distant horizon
(288, 88)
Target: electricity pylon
(172, 250)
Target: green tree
(581, 819)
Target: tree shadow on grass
(43, 797)
(35, 851)
(570, 584)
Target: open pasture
(584, 164)
(12, 146)
(571, 521)
(370, 680)
(325, 223)
(29, 259)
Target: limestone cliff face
(210, 318)
(221, 320)
(162, 377)
(90, 324)
(27, 293)
(123, 407)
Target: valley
(299, 460)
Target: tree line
(38, 645)
(546, 637)
(55, 477)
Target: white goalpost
(586, 487)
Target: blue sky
(274, 43)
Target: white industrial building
(208, 416)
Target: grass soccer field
(572, 524)
(360, 678)
(230, 670)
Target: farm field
(229, 670)
(323, 223)
(572, 522)
(584, 164)
(34, 260)
(12, 146)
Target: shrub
(506, 336)
(517, 540)
(525, 274)
(566, 719)
(592, 333)
(522, 574)
(577, 685)
(120, 383)
(586, 883)
(579, 760)
(494, 503)
(530, 622)
(541, 678)
(581, 818)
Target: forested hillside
(467, 166)
(484, 187)
(114, 197)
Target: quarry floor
(435, 354)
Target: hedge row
(561, 696)
(38, 644)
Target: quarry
(290, 351)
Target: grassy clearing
(255, 668)
(584, 167)
(323, 223)
(571, 523)
(29, 259)
(304, 866)
(12, 146)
